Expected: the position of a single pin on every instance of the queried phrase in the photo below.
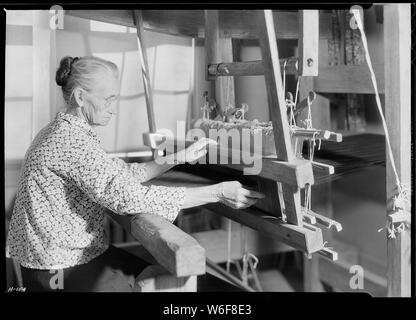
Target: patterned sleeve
(116, 187)
(138, 170)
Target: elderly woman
(67, 180)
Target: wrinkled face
(101, 102)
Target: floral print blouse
(66, 181)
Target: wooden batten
(308, 238)
(249, 68)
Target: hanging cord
(244, 275)
(403, 190)
(229, 246)
(249, 261)
(284, 76)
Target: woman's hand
(235, 196)
(194, 152)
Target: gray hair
(81, 72)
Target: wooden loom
(294, 173)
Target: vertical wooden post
(397, 68)
(138, 21)
(308, 42)
(218, 50)
(277, 107)
(224, 86)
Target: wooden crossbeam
(249, 68)
(236, 24)
(174, 249)
(317, 134)
(308, 238)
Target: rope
(373, 80)
(402, 189)
(229, 246)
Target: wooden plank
(249, 68)
(348, 79)
(237, 24)
(174, 249)
(307, 239)
(138, 21)
(297, 174)
(397, 47)
(308, 42)
(277, 108)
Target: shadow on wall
(169, 68)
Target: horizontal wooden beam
(238, 24)
(348, 79)
(174, 249)
(249, 68)
(297, 174)
(307, 238)
(316, 134)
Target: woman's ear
(79, 96)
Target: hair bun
(64, 70)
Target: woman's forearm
(200, 195)
(154, 169)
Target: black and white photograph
(209, 150)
